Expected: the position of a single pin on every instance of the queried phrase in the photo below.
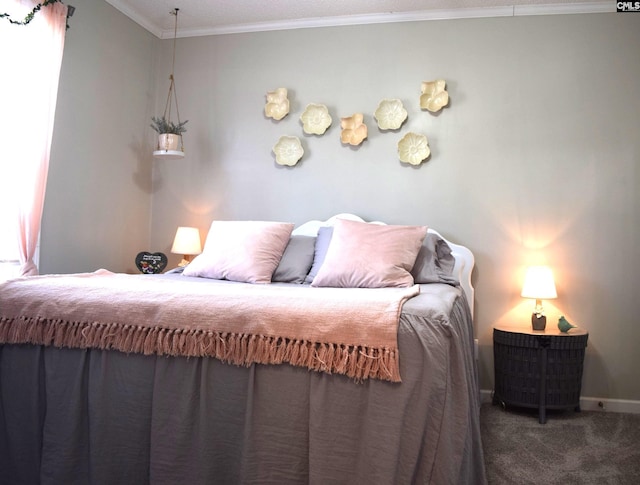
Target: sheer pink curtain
(46, 34)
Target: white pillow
(362, 255)
(245, 251)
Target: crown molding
(564, 8)
(348, 20)
(381, 18)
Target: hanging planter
(170, 143)
(169, 137)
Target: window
(31, 56)
(9, 253)
(9, 83)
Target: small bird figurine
(564, 325)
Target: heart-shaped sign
(151, 263)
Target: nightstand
(538, 369)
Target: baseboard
(612, 405)
(588, 403)
(486, 396)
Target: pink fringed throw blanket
(351, 331)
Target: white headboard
(463, 256)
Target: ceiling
(211, 17)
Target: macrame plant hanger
(172, 84)
(172, 97)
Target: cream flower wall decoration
(390, 114)
(413, 148)
(434, 95)
(288, 150)
(277, 106)
(354, 131)
(315, 119)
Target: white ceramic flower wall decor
(434, 95)
(277, 106)
(315, 119)
(413, 148)
(390, 114)
(354, 131)
(288, 150)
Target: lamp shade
(538, 283)
(187, 241)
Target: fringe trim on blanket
(357, 362)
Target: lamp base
(186, 260)
(538, 322)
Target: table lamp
(187, 243)
(539, 285)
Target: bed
(118, 389)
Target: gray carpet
(588, 447)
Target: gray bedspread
(75, 416)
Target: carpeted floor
(588, 447)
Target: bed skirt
(90, 416)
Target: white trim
(609, 405)
(564, 8)
(486, 395)
(345, 20)
(377, 18)
(588, 403)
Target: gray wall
(98, 201)
(534, 160)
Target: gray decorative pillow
(296, 260)
(322, 244)
(435, 262)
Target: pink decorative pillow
(363, 255)
(245, 251)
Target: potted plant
(170, 133)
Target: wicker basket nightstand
(538, 369)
